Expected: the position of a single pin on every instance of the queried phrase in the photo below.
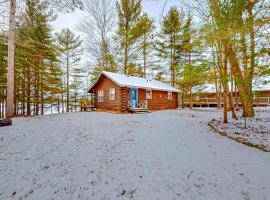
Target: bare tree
(98, 29)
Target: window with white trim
(112, 94)
(170, 95)
(148, 94)
(101, 96)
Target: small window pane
(170, 95)
(148, 94)
(112, 94)
(101, 96)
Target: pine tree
(36, 59)
(70, 48)
(129, 12)
(79, 74)
(3, 72)
(98, 68)
(147, 27)
(11, 90)
(169, 40)
(234, 22)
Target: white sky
(152, 7)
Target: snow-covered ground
(250, 131)
(162, 155)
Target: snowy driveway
(162, 155)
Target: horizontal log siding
(125, 99)
(115, 105)
(159, 100)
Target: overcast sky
(153, 7)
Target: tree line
(42, 61)
(226, 44)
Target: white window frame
(169, 95)
(148, 94)
(112, 94)
(100, 95)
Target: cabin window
(101, 96)
(112, 94)
(148, 94)
(170, 95)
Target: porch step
(139, 110)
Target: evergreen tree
(3, 72)
(78, 74)
(69, 48)
(55, 4)
(35, 56)
(98, 68)
(129, 12)
(147, 27)
(170, 40)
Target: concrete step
(139, 110)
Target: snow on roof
(262, 88)
(137, 82)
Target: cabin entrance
(133, 93)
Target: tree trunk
(37, 92)
(244, 88)
(23, 95)
(42, 94)
(67, 109)
(222, 62)
(231, 100)
(144, 56)
(216, 83)
(1, 111)
(11, 48)
(126, 49)
(58, 105)
(183, 98)
(225, 88)
(28, 102)
(62, 97)
(190, 98)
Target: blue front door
(134, 97)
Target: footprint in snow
(246, 179)
(245, 195)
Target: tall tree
(3, 73)
(227, 18)
(67, 4)
(98, 28)
(170, 39)
(35, 59)
(11, 48)
(147, 27)
(129, 12)
(69, 46)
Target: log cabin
(124, 93)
